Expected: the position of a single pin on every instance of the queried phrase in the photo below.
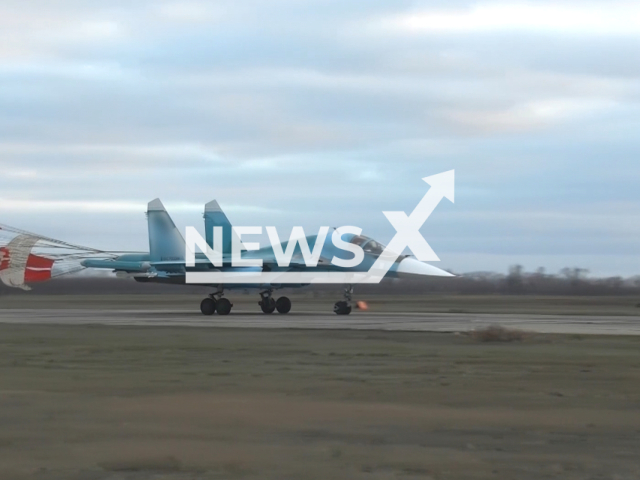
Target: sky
(329, 112)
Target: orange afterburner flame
(361, 305)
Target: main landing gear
(269, 305)
(343, 307)
(216, 303)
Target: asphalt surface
(434, 322)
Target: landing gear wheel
(223, 306)
(208, 306)
(342, 308)
(268, 305)
(283, 305)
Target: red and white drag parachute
(29, 258)
(18, 266)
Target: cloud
(325, 113)
(530, 115)
(189, 12)
(612, 18)
(27, 206)
(69, 206)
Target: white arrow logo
(408, 234)
(408, 227)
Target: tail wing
(215, 217)
(165, 241)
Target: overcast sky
(328, 112)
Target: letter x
(408, 235)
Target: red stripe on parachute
(38, 269)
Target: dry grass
(135, 403)
(496, 333)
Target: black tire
(208, 306)
(223, 307)
(283, 305)
(342, 308)
(268, 305)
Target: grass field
(98, 402)
(524, 304)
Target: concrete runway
(434, 322)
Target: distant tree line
(568, 281)
(517, 281)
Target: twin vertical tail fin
(215, 217)
(165, 241)
(166, 244)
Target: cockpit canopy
(369, 245)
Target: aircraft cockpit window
(373, 248)
(369, 245)
(359, 240)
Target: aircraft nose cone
(411, 266)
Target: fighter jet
(166, 261)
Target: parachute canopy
(27, 257)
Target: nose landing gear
(343, 307)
